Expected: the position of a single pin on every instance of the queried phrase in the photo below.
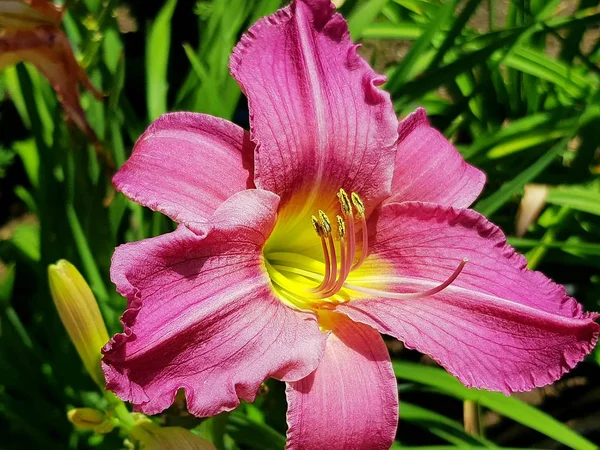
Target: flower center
(310, 283)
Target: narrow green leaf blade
(495, 201)
(575, 197)
(362, 16)
(508, 406)
(157, 61)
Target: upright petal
(186, 164)
(202, 316)
(429, 169)
(351, 400)
(49, 50)
(316, 114)
(498, 326)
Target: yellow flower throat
(304, 282)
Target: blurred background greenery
(514, 84)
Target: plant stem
(471, 417)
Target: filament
(365, 244)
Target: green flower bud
(153, 437)
(80, 315)
(90, 419)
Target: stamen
(341, 227)
(360, 214)
(325, 223)
(342, 275)
(285, 269)
(323, 229)
(332, 264)
(344, 202)
(358, 204)
(411, 296)
(317, 226)
(351, 241)
(365, 243)
(327, 277)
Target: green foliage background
(514, 84)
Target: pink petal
(351, 400)
(498, 326)
(316, 114)
(202, 315)
(429, 169)
(186, 164)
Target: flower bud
(154, 437)
(90, 419)
(79, 314)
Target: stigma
(344, 245)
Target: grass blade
(495, 201)
(510, 407)
(157, 61)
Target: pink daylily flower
(301, 241)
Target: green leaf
(212, 105)
(26, 238)
(573, 245)
(421, 45)
(543, 66)
(448, 447)
(362, 16)
(14, 89)
(255, 435)
(495, 201)
(157, 61)
(448, 72)
(420, 7)
(400, 30)
(575, 197)
(507, 406)
(7, 282)
(7, 157)
(439, 425)
(455, 31)
(520, 134)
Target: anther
(345, 202)
(341, 227)
(358, 204)
(325, 223)
(317, 226)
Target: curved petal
(351, 400)
(49, 49)
(27, 14)
(429, 169)
(186, 164)
(498, 326)
(319, 121)
(202, 316)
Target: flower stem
(120, 411)
(471, 417)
